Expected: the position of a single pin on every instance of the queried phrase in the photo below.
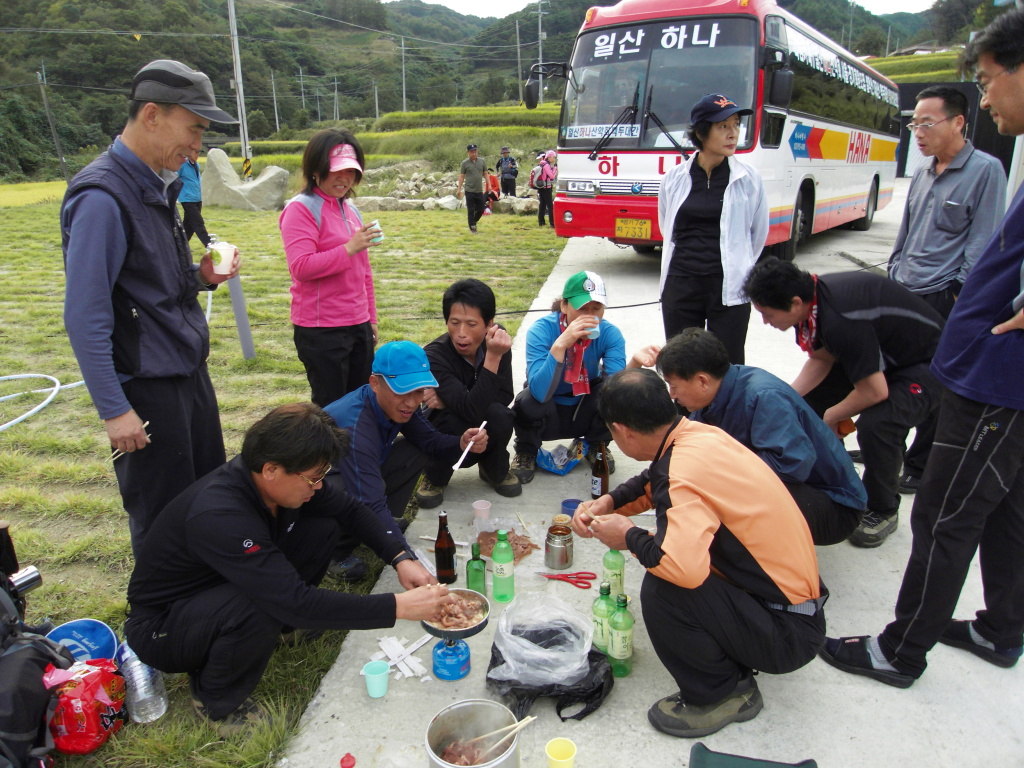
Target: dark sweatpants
(882, 429)
(193, 222)
(218, 636)
(536, 422)
(546, 207)
(829, 521)
(508, 187)
(337, 360)
(186, 444)
(494, 461)
(971, 498)
(476, 204)
(709, 637)
(696, 302)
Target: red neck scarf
(575, 371)
(807, 331)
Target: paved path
(963, 712)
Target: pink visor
(344, 156)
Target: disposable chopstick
(502, 730)
(457, 543)
(465, 453)
(522, 724)
(118, 454)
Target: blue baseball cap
(404, 366)
(714, 108)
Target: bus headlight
(567, 217)
(581, 188)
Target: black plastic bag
(591, 691)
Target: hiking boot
(523, 466)
(961, 634)
(508, 487)
(851, 654)
(674, 716)
(591, 457)
(349, 569)
(248, 715)
(429, 495)
(472, 228)
(873, 529)
(401, 523)
(908, 483)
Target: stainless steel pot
(466, 720)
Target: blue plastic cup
(376, 674)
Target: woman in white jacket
(713, 216)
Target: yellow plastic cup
(561, 753)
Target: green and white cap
(584, 287)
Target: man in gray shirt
(953, 206)
(472, 179)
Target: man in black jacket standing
(472, 363)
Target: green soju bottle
(603, 608)
(614, 568)
(476, 570)
(620, 638)
(504, 581)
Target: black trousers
(337, 360)
(711, 636)
(547, 205)
(917, 454)
(186, 444)
(494, 461)
(476, 203)
(193, 222)
(971, 498)
(696, 302)
(508, 187)
(882, 429)
(220, 637)
(536, 422)
(829, 521)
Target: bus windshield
(672, 62)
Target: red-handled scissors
(579, 579)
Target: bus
(824, 132)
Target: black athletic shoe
(850, 654)
(855, 456)
(908, 483)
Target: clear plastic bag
(544, 641)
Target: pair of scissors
(580, 579)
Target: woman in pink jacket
(334, 312)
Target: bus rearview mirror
(781, 93)
(531, 93)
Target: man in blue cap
(391, 438)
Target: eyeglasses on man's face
(313, 482)
(984, 86)
(924, 126)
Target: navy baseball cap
(404, 366)
(714, 108)
(470, 147)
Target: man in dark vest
(131, 310)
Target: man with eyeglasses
(952, 209)
(972, 492)
(231, 567)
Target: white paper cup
(223, 257)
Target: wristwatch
(404, 555)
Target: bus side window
(772, 128)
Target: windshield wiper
(650, 114)
(629, 112)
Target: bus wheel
(864, 224)
(798, 232)
(645, 250)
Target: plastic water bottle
(146, 696)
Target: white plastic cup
(561, 753)
(482, 510)
(375, 224)
(223, 257)
(376, 674)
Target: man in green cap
(567, 353)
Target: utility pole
(403, 74)
(888, 37)
(376, 103)
(273, 89)
(850, 44)
(519, 64)
(302, 88)
(318, 117)
(336, 116)
(53, 129)
(540, 45)
(243, 128)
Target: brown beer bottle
(599, 479)
(444, 551)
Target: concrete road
(962, 712)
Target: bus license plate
(633, 229)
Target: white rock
(222, 186)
